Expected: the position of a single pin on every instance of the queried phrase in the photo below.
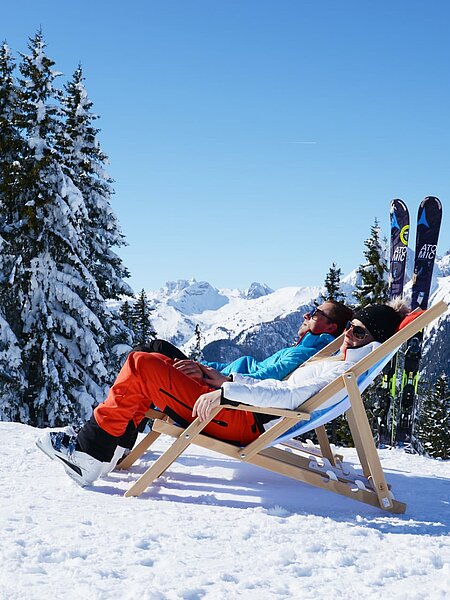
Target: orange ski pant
(147, 379)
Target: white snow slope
(213, 528)
(180, 305)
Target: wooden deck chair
(273, 451)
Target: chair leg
(145, 443)
(366, 443)
(138, 450)
(324, 444)
(358, 442)
(170, 455)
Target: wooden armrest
(277, 412)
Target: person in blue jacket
(318, 329)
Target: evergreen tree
(373, 285)
(12, 381)
(12, 146)
(12, 152)
(60, 344)
(141, 323)
(433, 423)
(126, 315)
(332, 285)
(49, 291)
(85, 163)
(195, 352)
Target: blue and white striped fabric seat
(337, 405)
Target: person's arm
(267, 392)
(290, 393)
(205, 404)
(285, 361)
(283, 364)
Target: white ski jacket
(304, 382)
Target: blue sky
(257, 140)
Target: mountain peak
(193, 297)
(256, 290)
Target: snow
(214, 528)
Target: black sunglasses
(358, 332)
(318, 313)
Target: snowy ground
(216, 529)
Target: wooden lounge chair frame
(320, 468)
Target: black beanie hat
(381, 320)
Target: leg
(144, 379)
(150, 378)
(175, 394)
(160, 347)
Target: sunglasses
(359, 333)
(316, 313)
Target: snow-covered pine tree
(433, 423)
(12, 381)
(332, 285)
(12, 144)
(49, 288)
(373, 285)
(141, 322)
(195, 352)
(12, 148)
(85, 163)
(126, 315)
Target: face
(318, 321)
(356, 335)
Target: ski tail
(429, 219)
(399, 246)
(399, 219)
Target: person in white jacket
(151, 379)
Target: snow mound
(215, 528)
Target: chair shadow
(248, 486)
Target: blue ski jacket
(280, 364)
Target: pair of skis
(429, 218)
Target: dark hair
(339, 314)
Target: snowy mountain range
(260, 320)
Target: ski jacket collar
(354, 355)
(312, 340)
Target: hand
(208, 375)
(189, 368)
(205, 404)
(213, 377)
